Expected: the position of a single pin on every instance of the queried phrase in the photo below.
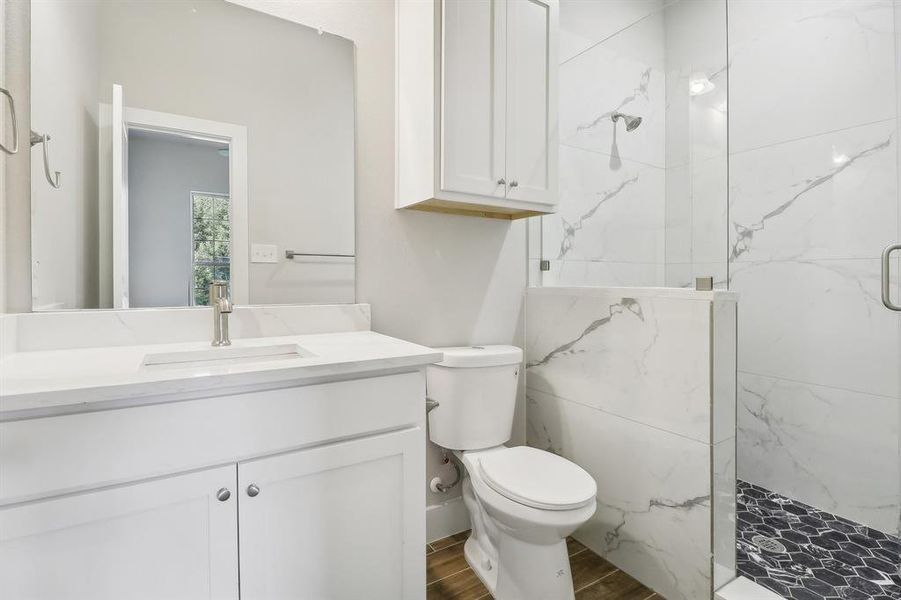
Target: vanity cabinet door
(473, 96)
(168, 538)
(341, 521)
(532, 100)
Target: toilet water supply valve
(437, 485)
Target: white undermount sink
(224, 355)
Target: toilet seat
(537, 478)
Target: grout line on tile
(450, 546)
(447, 576)
(585, 549)
(588, 585)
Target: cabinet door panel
(532, 100)
(473, 96)
(168, 538)
(345, 520)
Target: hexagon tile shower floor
(803, 553)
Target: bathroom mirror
(176, 143)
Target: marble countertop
(54, 382)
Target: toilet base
(524, 571)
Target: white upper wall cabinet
(477, 106)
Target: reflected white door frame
(236, 138)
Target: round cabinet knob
(501, 181)
(253, 490)
(223, 494)
(514, 183)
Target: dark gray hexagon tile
(826, 557)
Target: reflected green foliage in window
(210, 236)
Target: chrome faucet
(222, 306)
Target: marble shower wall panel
(829, 196)
(610, 228)
(584, 24)
(606, 214)
(820, 322)
(653, 518)
(645, 359)
(814, 198)
(800, 68)
(696, 149)
(624, 73)
(832, 446)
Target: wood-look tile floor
(450, 578)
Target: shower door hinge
(544, 265)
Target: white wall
(432, 279)
(163, 170)
(64, 78)
(16, 217)
(814, 198)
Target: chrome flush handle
(887, 277)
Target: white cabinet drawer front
(168, 538)
(341, 521)
(42, 457)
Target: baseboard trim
(447, 518)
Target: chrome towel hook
(15, 125)
(37, 138)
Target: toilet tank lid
(480, 356)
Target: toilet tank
(475, 387)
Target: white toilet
(523, 502)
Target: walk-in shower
(767, 158)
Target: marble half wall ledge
(636, 292)
(66, 330)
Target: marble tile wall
(814, 198)
(638, 387)
(646, 207)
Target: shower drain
(769, 544)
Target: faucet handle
(218, 289)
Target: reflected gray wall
(163, 170)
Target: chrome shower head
(632, 122)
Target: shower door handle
(887, 277)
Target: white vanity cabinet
(477, 106)
(315, 491)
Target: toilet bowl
(522, 502)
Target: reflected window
(210, 236)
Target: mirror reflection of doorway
(178, 217)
